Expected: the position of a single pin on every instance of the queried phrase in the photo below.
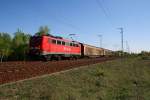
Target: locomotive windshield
(35, 41)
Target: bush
(145, 57)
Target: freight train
(53, 47)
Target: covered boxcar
(108, 52)
(91, 51)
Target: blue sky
(86, 18)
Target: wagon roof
(98, 47)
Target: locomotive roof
(57, 37)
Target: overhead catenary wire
(104, 10)
(67, 22)
(64, 22)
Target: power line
(104, 11)
(65, 23)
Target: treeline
(16, 47)
(145, 55)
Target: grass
(127, 79)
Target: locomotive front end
(35, 45)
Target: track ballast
(19, 70)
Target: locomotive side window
(54, 41)
(63, 43)
(74, 44)
(71, 44)
(67, 44)
(58, 42)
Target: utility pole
(121, 32)
(127, 47)
(100, 37)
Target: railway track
(14, 71)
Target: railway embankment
(121, 79)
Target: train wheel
(74, 58)
(59, 58)
(47, 58)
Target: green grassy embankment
(114, 80)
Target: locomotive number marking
(67, 49)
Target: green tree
(5, 45)
(43, 30)
(20, 44)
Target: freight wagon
(91, 51)
(108, 53)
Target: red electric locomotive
(53, 47)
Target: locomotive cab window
(58, 42)
(54, 41)
(71, 44)
(74, 45)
